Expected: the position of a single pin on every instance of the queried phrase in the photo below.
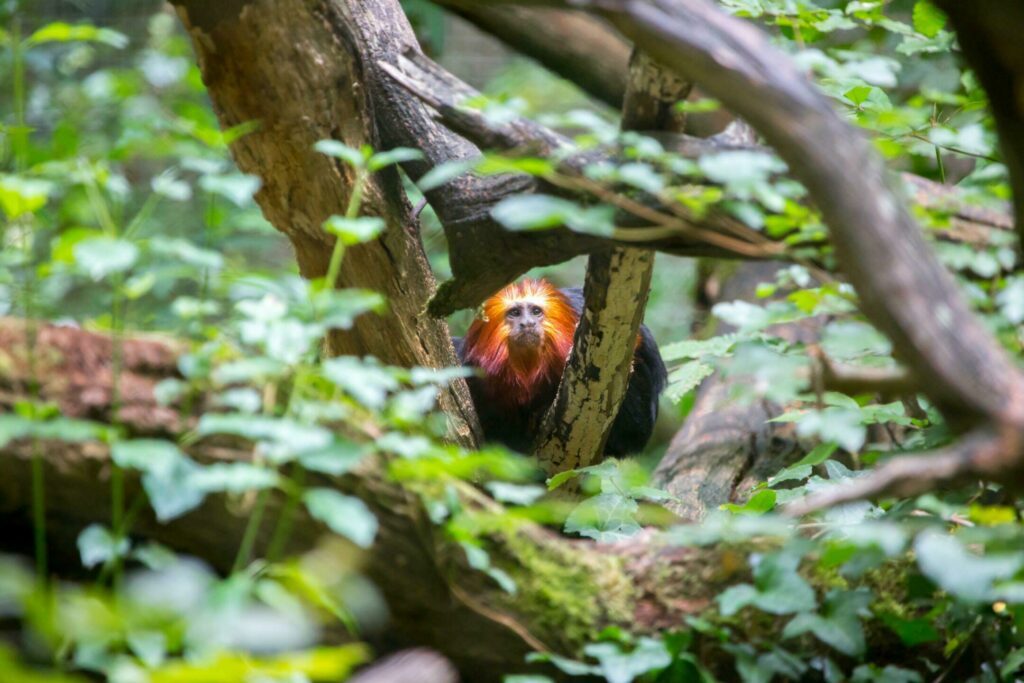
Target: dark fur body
(516, 426)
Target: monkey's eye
(536, 310)
(514, 313)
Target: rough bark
(989, 35)
(293, 68)
(595, 378)
(576, 46)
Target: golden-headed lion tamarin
(521, 343)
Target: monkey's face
(525, 322)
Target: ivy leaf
(167, 184)
(97, 545)
(234, 477)
(838, 623)
(777, 589)
(607, 517)
(344, 515)
(620, 666)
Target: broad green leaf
(685, 378)
(97, 545)
(169, 185)
(443, 173)
(187, 252)
(606, 518)
(353, 157)
(533, 212)
(621, 666)
(969, 577)
(761, 502)
(344, 515)
(238, 188)
(778, 587)
(20, 196)
(355, 230)
(234, 477)
(366, 382)
(928, 19)
(60, 32)
(103, 256)
(319, 665)
(838, 623)
(397, 155)
(700, 348)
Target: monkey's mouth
(526, 338)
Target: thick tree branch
(574, 431)
(982, 454)
(574, 45)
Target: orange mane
(515, 377)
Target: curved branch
(903, 288)
(979, 454)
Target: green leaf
(928, 19)
(700, 348)
(365, 381)
(355, 230)
(149, 646)
(1012, 664)
(778, 587)
(234, 477)
(397, 155)
(838, 624)
(944, 560)
(335, 459)
(606, 518)
(479, 559)
(238, 188)
(60, 32)
(282, 438)
(912, 632)
(761, 502)
(97, 545)
(533, 212)
(353, 157)
(621, 666)
(344, 515)
(167, 184)
(187, 252)
(685, 378)
(19, 196)
(103, 256)
(443, 173)
(818, 455)
(515, 494)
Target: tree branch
(980, 454)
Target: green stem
(334, 269)
(284, 521)
(251, 530)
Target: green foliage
(123, 212)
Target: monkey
(521, 343)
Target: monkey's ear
(481, 312)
